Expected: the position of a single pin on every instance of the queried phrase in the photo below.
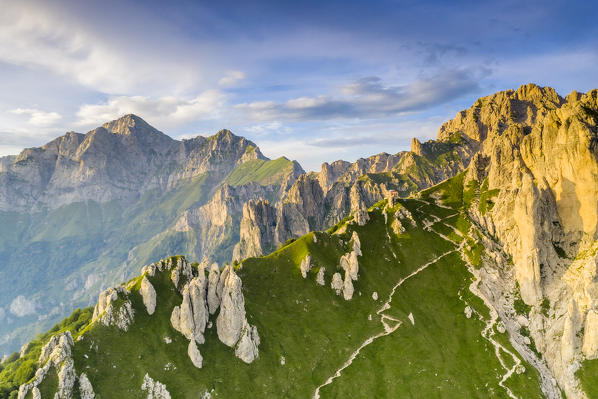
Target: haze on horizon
(314, 81)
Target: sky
(314, 81)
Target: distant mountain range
(85, 211)
(465, 267)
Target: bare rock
(337, 283)
(305, 266)
(348, 286)
(148, 293)
(231, 318)
(194, 354)
(109, 313)
(175, 318)
(213, 295)
(590, 338)
(362, 217)
(154, 389)
(85, 388)
(468, 312)
(192, 316)
(247, 347)
(320, 276)
(356, 243)
(181, 273)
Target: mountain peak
(129, 124)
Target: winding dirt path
(391, 324)
(388, 328)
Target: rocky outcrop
(590, 338)
(232, 309)
(537, 175)
(194, 354)
(337, 283)
(114, 308)
(85, 388)
(348, 286)
(361, 217)
(213, 294)
(57, 353)
(257, 230)
(191, 318)
(181, 272)
(232, 326)
(148, 293)
(320, 276)
(154, 389)
(305, 265)
(247, 347)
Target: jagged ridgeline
(384, 303)
(484, 285)
(86, 211)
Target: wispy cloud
(369, 98)
(169, 111)
(38, 117)
(231, 78)
(32, 35)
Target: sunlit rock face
(538, 156)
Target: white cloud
(37, 117)
(166, 111)
(231, 78)
(34, 35)
(21, 306)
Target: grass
(74, 241)
(587, 376)
(316, 330)
(260, 171)
(17, 371)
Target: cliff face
(316, 201)
(537, 169)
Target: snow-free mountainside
(463, 268)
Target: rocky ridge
(536, 175)
(316, 201)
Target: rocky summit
(464, 268)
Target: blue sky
(313, 80)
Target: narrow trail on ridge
(389, 328)
(391, 324)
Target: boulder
(305, 266)
(348, 286)
(148, 293)
(247, 347)
(154, 389)
(320, 276)
(337, 283)
(194, 354)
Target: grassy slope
(260, 171)
(587, 374)
(86, 237)
(316, 331)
